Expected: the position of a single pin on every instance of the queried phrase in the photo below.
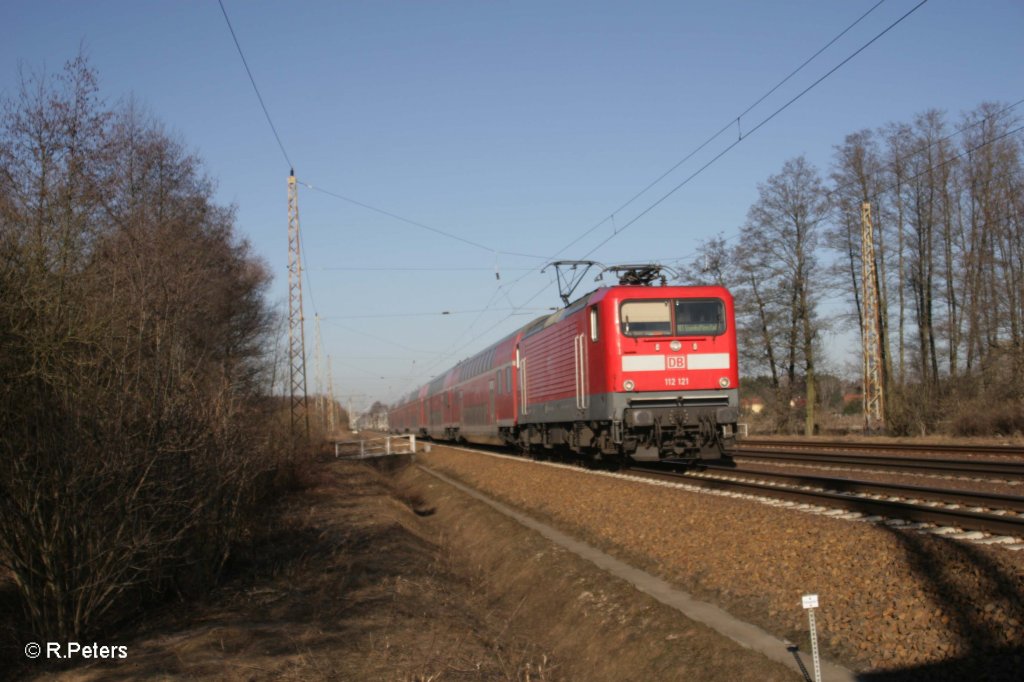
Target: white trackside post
(810, 603)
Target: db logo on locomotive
(675, 362)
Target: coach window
(508, 380)
(700, 317)
(593, 323)
(646, 318)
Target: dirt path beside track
(402, 577)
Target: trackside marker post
(810, 603)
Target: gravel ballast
(890, 599)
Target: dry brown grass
(345, 583)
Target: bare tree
(134, 327)
(991, 238)
(927, 194)
(783, 227)
(758, 313)
(711, 265)
(898, 142)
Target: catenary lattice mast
(296, 333)
(874, 419)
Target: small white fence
(375, 447)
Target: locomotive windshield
(696, 317)
(646, 318)
(678, 317)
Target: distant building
(373, 421)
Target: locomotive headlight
(675, 345)
(724, 382)
(628, 385)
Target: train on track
(633, 371)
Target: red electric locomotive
(631, 371)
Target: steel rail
(1004, 450)
(995, 501)
(1008, 470)
(958, 518)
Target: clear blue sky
(516, 125)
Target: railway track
(998, 515)
(973, 468)
(1008, 451)
(915, 494)
(1003, 470)
(968, 515)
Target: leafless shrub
(913, 410)
(988, 408)
(134, 331)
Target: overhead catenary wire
(738, 140)
(405, 358)
(757, 127)
(952, 159)
(458, 348)
(305, 271)
(911, 155)
(728, 125)
(888, 166)
(291, 167)
(252, 80)
(440, 313)
(722, 153)
(426, 268)
(618, 230)
(383, 339)
(926, 147)
(416, 223)
(632, 199)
